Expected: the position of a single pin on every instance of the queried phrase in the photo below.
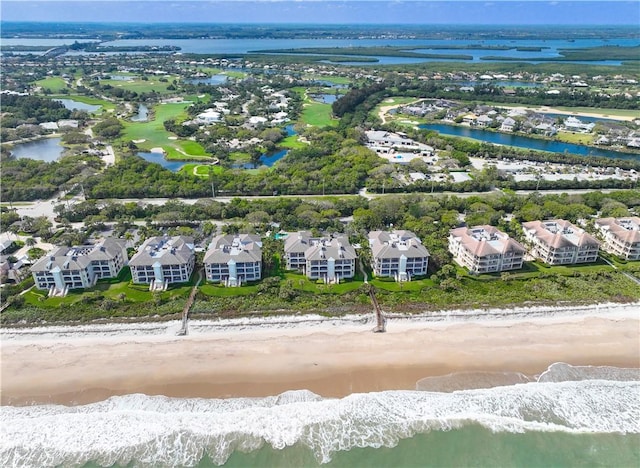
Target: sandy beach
(328, 358)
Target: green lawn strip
(219, 290)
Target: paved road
(45, 207)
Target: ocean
(567, 416)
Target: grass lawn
(332, 79)
(201, 170)
(317, 114)
(576, 138)
(141, 86)
(608, 113)
(54, 83)
(292, 142)
(155, 135)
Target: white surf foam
(160, 431)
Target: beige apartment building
(485, 249)
(558, 242)
(621, 236)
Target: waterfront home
(328, 258)
(485, 249)
(80, 266)
(576, 125)
(398, 254)
(558, 242)
(508, 125)
(163, 260)
(234, 259)
(621, 236)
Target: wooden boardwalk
(187, 307)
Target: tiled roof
(559, 233)
(625, 229)
(486, 240)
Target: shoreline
(330, 357)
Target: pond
(121, 77)
(325, 98)
(76, 105)
(47, 149)
(520, 141)
(267, 159)
(143, 114)
(158, 158)
(212, 80)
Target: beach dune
(330, 360)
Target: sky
(482, 12)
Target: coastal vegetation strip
(366, 51)
(294, 292)
(595, 54)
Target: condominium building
(485, 249)
(328, 258)
(558, 242)
(164, 260)
(397, 254)
(234, 259)
(621, 236)
(79, 266)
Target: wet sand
(330, 360)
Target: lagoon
(142, 115)
(212, 80)
(520, 141)
(76, 105)
(47, 149)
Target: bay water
(568, 416)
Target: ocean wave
(157, 431)
(563, 372)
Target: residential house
(576, 125)
(80, 266)
(558, 242)
(484, 121)
(508, 125)
(328, 258)
(398, 254)
(621, 236)
(234, 259)
(163, 260)
(485, 249)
